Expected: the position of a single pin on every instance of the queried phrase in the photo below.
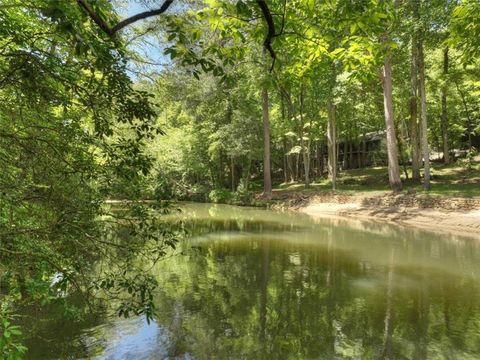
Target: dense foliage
(326, 93)
(72, 129)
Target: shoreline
(454, 215)
(459, 216)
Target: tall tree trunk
(413, 112)
(364, 150)
(320, 159)
(337, 146)
(393, 167)
(332, 146)
(359, 155)
(468, 113)
(350, 156)
(306, 164)
(267, 179)
(291, 168)
(332, 132)
(297, 167)
(292, 160)
(446, 150)
(221, 178)
(400, 142)
(423, 116)
(284, 142)
(285, 161)
(232, 165)
(305, 149)
(246, 173)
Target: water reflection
(263, 285)
(128, 339)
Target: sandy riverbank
(442, 214)
(466, 222)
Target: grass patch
(450, 180)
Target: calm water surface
(267, 285)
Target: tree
(423, 116)
(267, 181)
(73, 129)
(446, 148)
(332, 133)
(393, 167)
(414, 138)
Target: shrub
(242, 196)
(220, 196)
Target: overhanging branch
(267, 44)
(112, 31)
(85, 5)
(146, 14)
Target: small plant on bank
(220, 196)
(10, 345)
(242, 196)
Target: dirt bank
(436, 213)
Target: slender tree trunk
(469, 116)
(350, 156)
(306, 164)
(297, 167)
(284, 143)
(446, 150)
(267, 180)
(364, 150)
(332, 132)
(291, 159)
(337, 148)
(393, 167)
(359, 155)
(221, 178)
(232, 165)
(305, 149)
(320, 159)
(291, 168)
(285, 161)
(413, 112)
(332, 146)
(400, 142)
(247, 174)
(423, 117)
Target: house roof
(371, 136)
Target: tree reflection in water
(255, 284)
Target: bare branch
(112, 31)
(267, 44)
(84, 4)
(143, 15)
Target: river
(259, 284)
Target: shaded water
(267, 285)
